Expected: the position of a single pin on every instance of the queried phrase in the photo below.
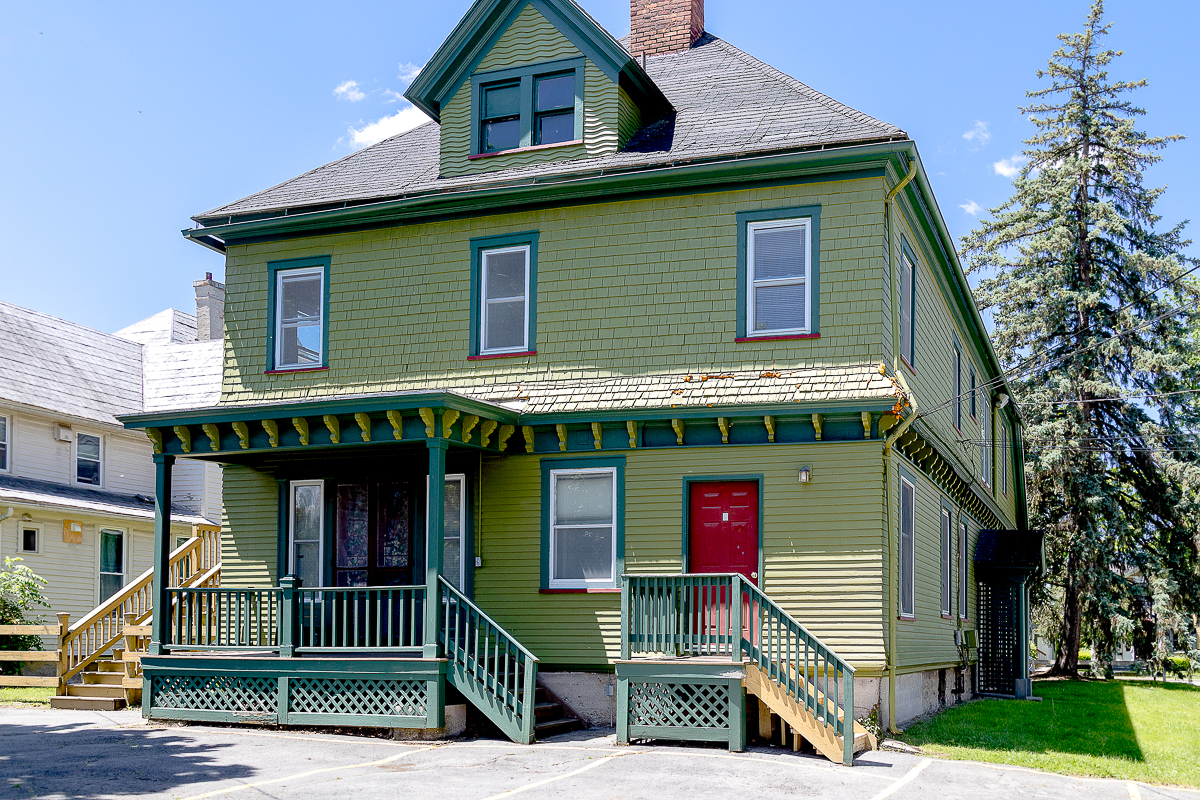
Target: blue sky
(121, 120)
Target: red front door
(723, 527)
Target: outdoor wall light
(805, 475)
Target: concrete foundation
(587, 693)
(456, 723)
(922, 693)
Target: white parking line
(256, 784)
(1134, 793)
(909, 777)
(552, 779)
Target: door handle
(754, 575)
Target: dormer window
(535, 106)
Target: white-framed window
(778, 259)
(5, 424)
(908, 513)
(963, 548)
(299, 318)
(974, 410)
(947, 562)
(583, 528)
(89, 457)
(306, 531)
(29, 538)
(454, 530)
(956, 388)
(504, 310)
(906, 309)
(112, 562)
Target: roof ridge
(216, 212)
(63, 321)
(819, 97)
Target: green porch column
(435, 534)
(162, 551)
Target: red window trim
(579, 591)
(297, 369)
(486, 356)
(903, 618)
(778, 338)
(476, 156)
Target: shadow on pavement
(84, 761)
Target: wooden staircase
(797, 720)
(110, 678)
(101, 689)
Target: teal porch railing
(377, 618)
(727, 615)
(488, 665)
(224, 619)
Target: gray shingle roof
(66, 368)
(29, 490)
(727, 102)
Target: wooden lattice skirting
(690, 701)
(387, 693)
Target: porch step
(109, 677)
(111, 665)
(88, 703)
(551, 717)
(797, 717)
(95, 690)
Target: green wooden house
(643, 379)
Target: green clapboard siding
(646, 285)
(249, 540)
(928, 639)
(931, 377)
(822, 545)
(531, 39)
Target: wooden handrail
(103, 627)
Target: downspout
(893, 582)
(893, 570)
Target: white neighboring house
(76, 488)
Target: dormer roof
(487, 20)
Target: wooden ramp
(800, 719)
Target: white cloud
(1010, 167)
(403, 120)
(348, 90)
(971, 207)
(391, 96)
(408, 71)
(979, 134)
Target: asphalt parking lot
(70, 754)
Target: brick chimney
(210, 309)
(664, 26)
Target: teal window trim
(549, 465)
(971, 377)
(810, 213)
(909, 354)
(273, 270)
(947, 534)
(962, 533)
(909, 575)
(524, 77)
(478, 246)
(688, 480)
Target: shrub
(1085, 655)
(20, 593)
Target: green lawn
(10, 695)
(1116, 729)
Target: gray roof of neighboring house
(75, 498)
(727, 103)
(66, 368)
(169, 325)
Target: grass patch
(22, 696)
(1133, 730)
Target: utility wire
(1104, 399)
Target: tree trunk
(1066, 662)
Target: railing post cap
(289, 582)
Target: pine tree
(1094, 308)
